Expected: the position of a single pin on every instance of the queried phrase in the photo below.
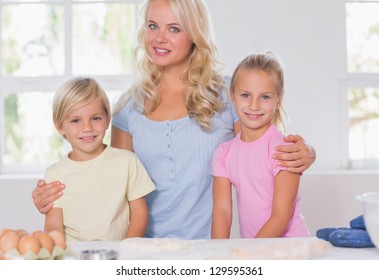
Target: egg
(28, 243)
(21, 232)
(9, 240)
(36, 233)
(46, 241)
(58, 237)
(4, 231)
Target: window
(44, 43)
(362, 45)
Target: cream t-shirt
(95, 202)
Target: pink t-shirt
(251, 169)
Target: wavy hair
(203, 76)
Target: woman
(173, 118)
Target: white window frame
(353, 80)
(51, 83)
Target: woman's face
(166, 42)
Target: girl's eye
(74, 121)
(96, 118)
(265, 97)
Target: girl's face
(256, 100)
(85, 129)
(166, 42)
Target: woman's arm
(237, 127)
(298, 157)
(121, 139)
(285, 193)
(222, 208)
(138, 218)
(45, 194)
(54, 220)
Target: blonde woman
(174, 116)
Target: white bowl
(371, 215)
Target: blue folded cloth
(354, 237)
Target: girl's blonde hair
(203, 76)
(74, 94)
(269, 63)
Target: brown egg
(4, 231)
(21, 232)
(59, 239)
(28, 243)
(9, 240)
(46, 241)
(36, 233)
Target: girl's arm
(298, 157)
(121, 139)
(138, 218)
(222, 208)
(285, 193)
(54, 220)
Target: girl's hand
(298, 157)
(45, 194)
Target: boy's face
(85, 129)
(256, 100)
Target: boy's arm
(285, 192)
(222, 208)
(54, 220)
(138, 218)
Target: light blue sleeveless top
(177, 155)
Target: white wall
(309, 38)
(17, 210)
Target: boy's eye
(174, 29)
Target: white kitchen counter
(265, 249)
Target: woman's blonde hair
(269, 63)
(75, 93)
(203, 76)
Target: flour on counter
(154, 245)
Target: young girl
(268, 202)
(102, 183)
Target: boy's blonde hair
(269, 63)
(75, 93)
(203, 75)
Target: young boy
(104, 198)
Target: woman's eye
(244, 95)
(152, 26)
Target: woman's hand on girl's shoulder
(298, 156)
